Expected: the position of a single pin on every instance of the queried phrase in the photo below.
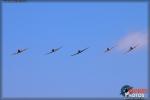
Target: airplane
(19, 51)
(54, 50)
(108, 49)
(79, 51)
(131, 48)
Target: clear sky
(73, 25)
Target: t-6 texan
(79, 51)
(131, 48)
(19, 51)
(54, 50)
(109, 49)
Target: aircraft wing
(49, 52)
(58, 49)
(75, 54)
(15, 53)
(106, 51)
(128, 51)
(24, 50)
(84, 49)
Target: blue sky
(73, 25)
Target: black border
(26, 1)
(23, 1)
(0, 50)
(148, 48)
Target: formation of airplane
(131, 48)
